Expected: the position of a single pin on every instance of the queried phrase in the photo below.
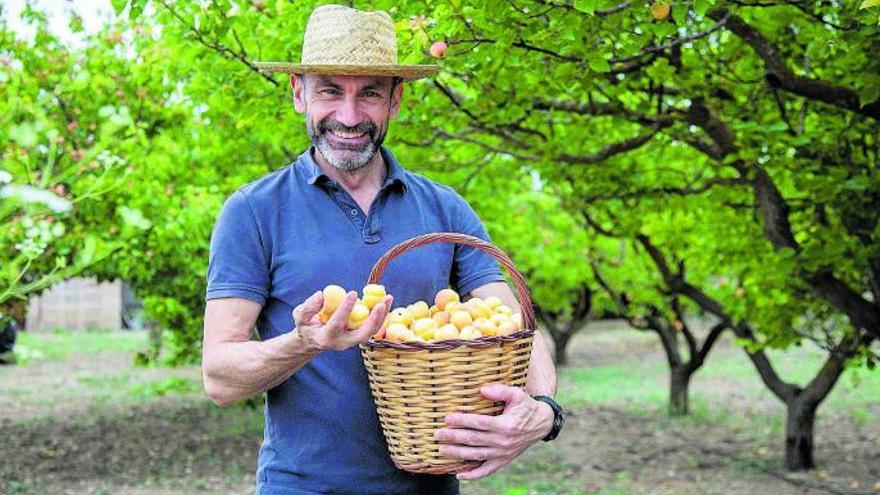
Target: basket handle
(525, 301)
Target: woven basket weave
(415, 385)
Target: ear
(297, 85)
(396, 97)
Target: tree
(57, 161)
(709, 139)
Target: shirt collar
(315, 175)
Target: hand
(497, 440)
(335, 335)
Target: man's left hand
(496, 440)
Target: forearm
(234, 371)
(541, 378)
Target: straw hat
(343, 41)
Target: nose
(348, 113)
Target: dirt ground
(73, 439)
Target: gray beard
(361, 159)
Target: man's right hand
(335, 335)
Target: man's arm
(234, 367)
(498, 440)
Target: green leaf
(869, 94)
(599, 64)
(87, 253)
(118, 5)
(869, 3)
(588, 6)
(702, 6)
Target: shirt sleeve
(472, 267)
(238, 264)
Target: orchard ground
(77, 417)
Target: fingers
(474, 421)
(469, 437)
(502, 393)
(339, 320)
(469, 453)
(308, 309)
(483, 470)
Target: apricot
(400, 315)
(504, 310)
(373, 295)
(446, 332)
(507, 327)
(438, 49)
(359, 314)
(493, 302)
(444, 297)
(485, 326)
(461, 319)
(660, 10)
(419, 310)
(478, 309)
(397, 332)
(517, 320)
(424, 328)
(441, 317)
(453, 306)
(333, 296)
(469, 333)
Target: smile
(352, 136)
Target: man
(326, 219)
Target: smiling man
(326, 219)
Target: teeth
(347, 135)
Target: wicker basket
(415, 385)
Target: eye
(371, 94)
(329, 91)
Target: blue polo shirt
(283, 237)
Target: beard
(346, 156)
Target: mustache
(365, 127)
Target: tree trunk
(679, 380)
(799, 435)
(560, 344)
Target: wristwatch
(558, 416)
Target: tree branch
(677, 41)
(218, 47)
(610, 150)
(779, 75)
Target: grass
(634, 383)
(545, 474)
(60, 344)
(615, 384)
(641, 384)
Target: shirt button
(354, 212)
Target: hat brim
(407, 72)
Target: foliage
(56, 161)
(677, 129)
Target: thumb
(308, 309)
(501, 393)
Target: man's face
(346, 116)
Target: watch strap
(558, 416)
